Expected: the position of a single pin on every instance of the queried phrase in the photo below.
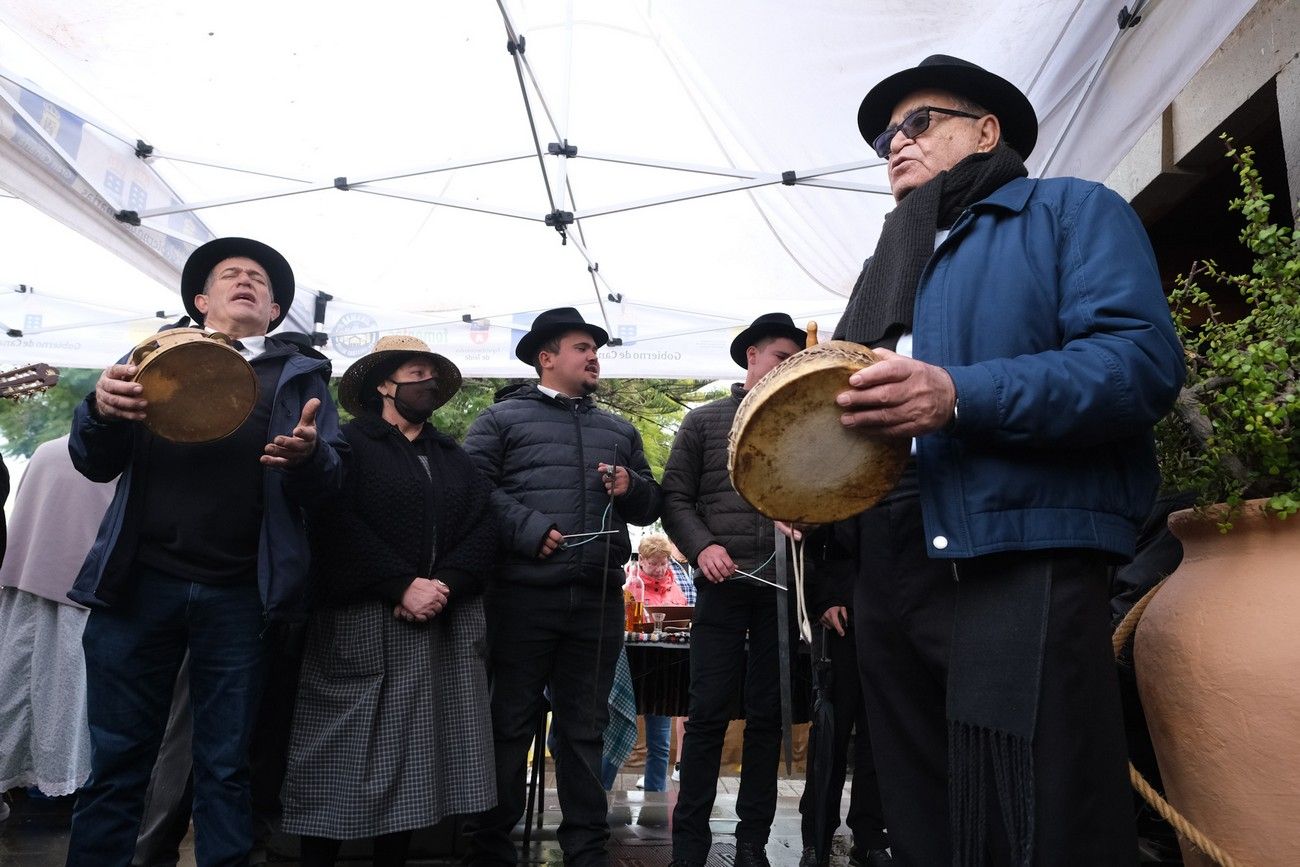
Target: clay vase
(1218, 667)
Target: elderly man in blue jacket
(1027, 347)
(201, 548)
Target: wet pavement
(36, 833)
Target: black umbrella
(822, 747)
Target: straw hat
(357, 387)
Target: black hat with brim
(551, 323)
(205, 258)
(963, 78)
(767, 325)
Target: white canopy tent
(393, 157)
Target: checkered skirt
(392, 730)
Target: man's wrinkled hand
(292, 450)
(898, 397)
(117, 397)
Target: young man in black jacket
(567, 479)
(721, 533)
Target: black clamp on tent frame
(557, 220)
(341, 184)
(788, 178)
(143, 149)
(1127, 19)
(131, 218)
(556, 149)
(517, 47)
(319, 338)
(615, 341)
(14, 332)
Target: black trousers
(866, 817)
(550, 638)
(905, 603)
(724, 615)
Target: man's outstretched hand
(292, 450)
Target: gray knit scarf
(880, 306)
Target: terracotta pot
(1218, 668)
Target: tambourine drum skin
(198, 386)
(789, 455)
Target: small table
(661, 681)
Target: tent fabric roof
(241, 98)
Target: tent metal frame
(559, 192)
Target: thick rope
(1184, 827)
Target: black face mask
(415, 401)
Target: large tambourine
(198, 386)
(791, 458)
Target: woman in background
(661, 588)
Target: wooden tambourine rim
(882, 459)
(150, 352)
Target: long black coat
(390, 522)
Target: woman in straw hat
(393, 702)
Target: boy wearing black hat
(1028, 348)
(202, 547)
(568, 478)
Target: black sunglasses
(916, 122)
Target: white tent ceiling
(304, 93)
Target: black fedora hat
(205, 258)
(767, 325)
(939, 71)
(550, 323)
(357, 387)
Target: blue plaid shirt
(683, 576)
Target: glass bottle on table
(633, 602)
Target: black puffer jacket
(701, 507)
(540, 454)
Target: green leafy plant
(1233, 433)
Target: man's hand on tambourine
(715, 563)
(117, 397)
(292, 450)
(898, 396)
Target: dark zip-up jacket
(701, 508)
(540, 454)
(103, 450)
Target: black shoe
(809, 858)
(869, 858)
(751, 855)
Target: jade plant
(1232, 435)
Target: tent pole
(1097, 70)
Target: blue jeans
(657, 736)
(133, 651)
